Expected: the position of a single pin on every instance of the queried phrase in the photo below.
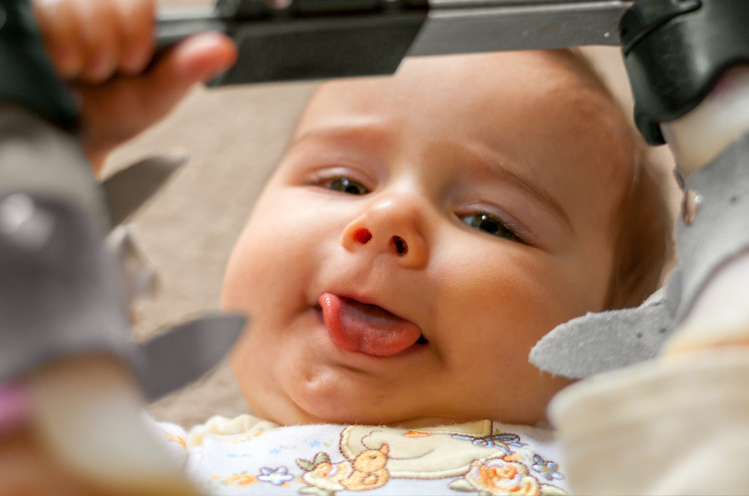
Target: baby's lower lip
(364, 328)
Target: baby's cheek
(509, 290)
(256, 274)
(275, 258)
(240, 278)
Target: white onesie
(246, 455)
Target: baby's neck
(419, 423)
(425, 422)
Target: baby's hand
(103, 49)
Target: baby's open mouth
(365, 328)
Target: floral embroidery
(416, 434)
(175, 439)
(495, 477)
(509, 439)
(547, 469)
(487, 442)
(248, 437)
(515, 457)
(479, 458)
(275, 476)
(240, 480)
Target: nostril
(400, 245)
(362, 236)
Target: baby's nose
(393, 227)
(362, 235)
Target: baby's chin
(339, 402)
(360, 413)
(294, 414)
(314, 403)
(304, 382)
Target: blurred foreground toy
(68, 366)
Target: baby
(424, 231)
(421, 234)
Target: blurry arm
(103, 49)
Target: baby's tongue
(369, 329)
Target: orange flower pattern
(499, 476)
(176, 439)
(240, 480)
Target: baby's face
(422, 233)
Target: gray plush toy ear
(129, 189)
(605, 341)
(180, 355)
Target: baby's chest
(481, 457)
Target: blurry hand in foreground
(103, 49)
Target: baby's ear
(605, 341)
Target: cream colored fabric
(222, 426)
(674, 426)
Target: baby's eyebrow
(355, 129)
(497, 166)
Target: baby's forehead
(505, 97)
(474, 83)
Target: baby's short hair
(643, 241)
(643, 223)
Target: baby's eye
(490, 225)
(345, 185)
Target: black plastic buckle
(676, 51)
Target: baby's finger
(60, 26)
(100, 31)
(137, 20)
